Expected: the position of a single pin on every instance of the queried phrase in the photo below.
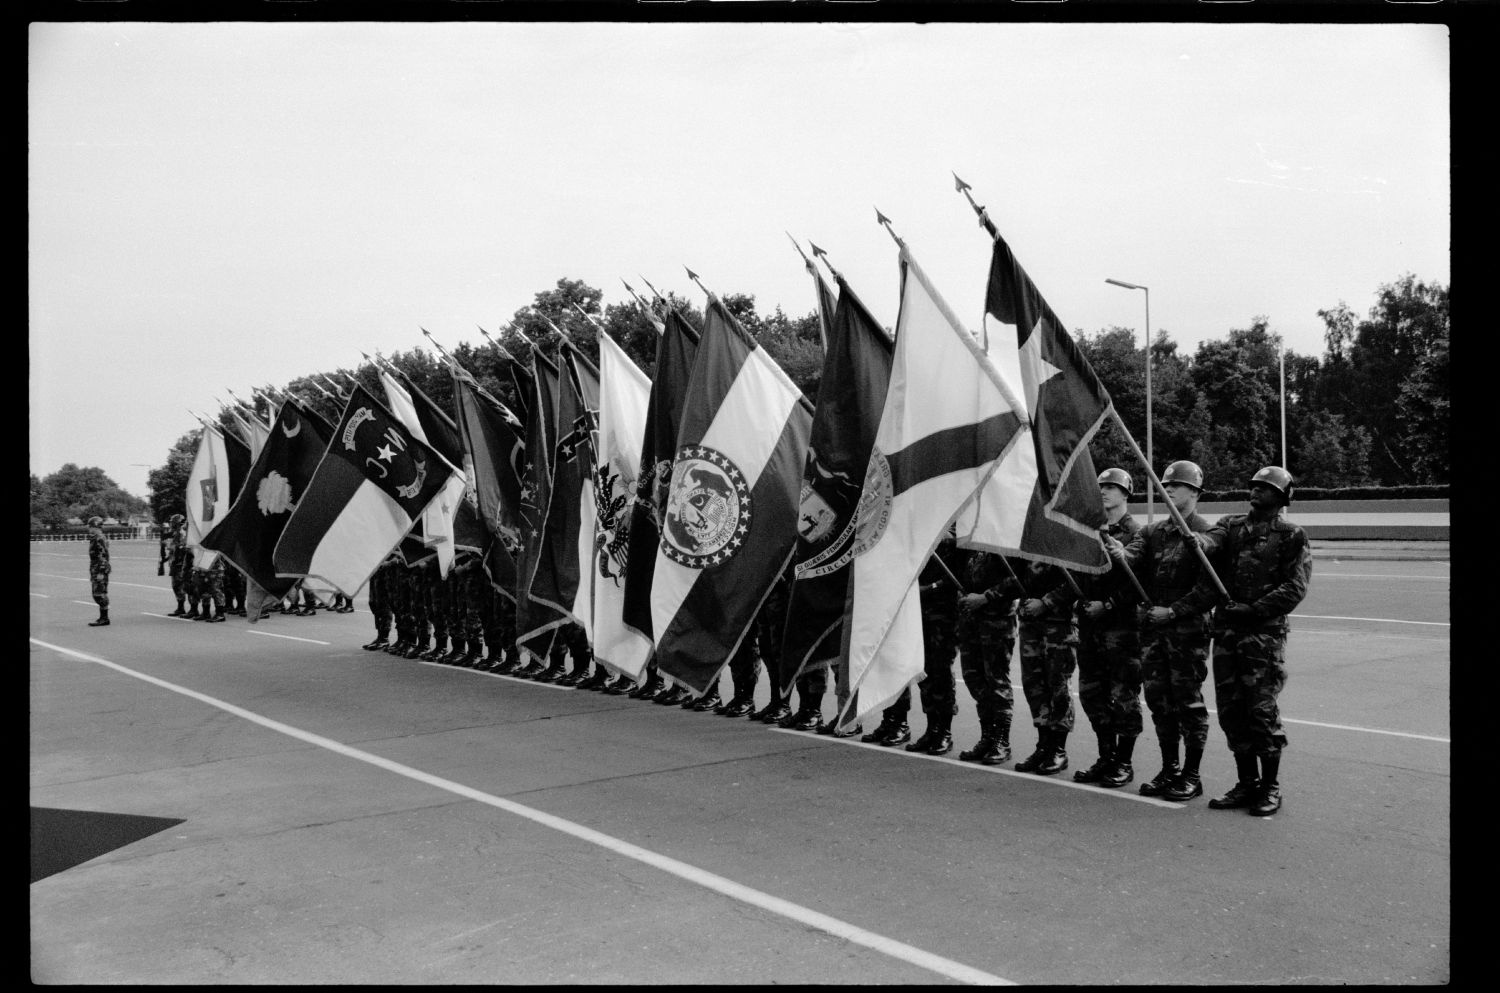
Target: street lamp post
(1150, 455)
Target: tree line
(1372, 410)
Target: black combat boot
(937, 739)
(507, 661)
(179, 612)
(218, 617)
(882, 731)
(986, 742)
(457, 651)
(616, 685)
(1002, 741)
(196, 611)
(1242, 793)
(774, 712)
(1188, 784)
(102, 620)
(1102, 764)
(1055, 759)
(416, 650)
(1120, 770)
(740, 706)
(672, 696)
(379, 642)
(596, 679)
(1030, 762)
(1268, 796)
(808, 718)
(1169, 770)
(709, 700)
(648, 687)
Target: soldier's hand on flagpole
(1159, 615)
(972, 601)
(1093, 608)
(1032, 608)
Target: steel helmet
(1278, 479)
(176, 519)
(1184, 472)
(1117, 477)
(96, 522)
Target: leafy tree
(1326, 450)
(74, 491)
(168, 482)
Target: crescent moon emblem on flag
(293, 432)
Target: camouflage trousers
(438, 594)
(180, 572)
(1249, 674)
(1049, 654)
(500, 622)
(1109, 677)
(414, 584)
(99, 587)
(210, 586)
(1174, 664)
(465, 606)
(938, 689)
(986, 642)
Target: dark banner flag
(851, 395)
(239, 463)
(494, 443)
(730, 520)
(676, 351)
(534, 618)
(249, 531)
(555, 583)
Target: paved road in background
(349, 817)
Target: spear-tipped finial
(694, 277)
(654, 291)
(886, 223)
(587, 316)
(805, 260)
(441, 350)
(821, 255)
(959, 184)
(984, 217)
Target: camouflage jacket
(1114, 587)
(1264, 564)
(98, 552)
(1164, 563)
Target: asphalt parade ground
(287, 808)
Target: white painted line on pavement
(1381, 575)
(1030, 777)
(86, 603)
(85, 579)
(1377, 620)
(289, 637)
(691, 873)
(1352, 727)
(42, 595)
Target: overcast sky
(219, 206)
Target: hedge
(1307, 493)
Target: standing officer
(177, 558)
(1175, 634)
(1265, 564)
(986, 641)
(1049, 654)
(99, 570)
(1109, 648)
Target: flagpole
(1171, 508)
(819, 287)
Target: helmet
(96, 522)
(1117, 477)
(176, 519)
(1278, 479)
(1184, 472)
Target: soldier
(380, 600)
(177, 558)
(939, 597)
(1109, 649)
(1265, 564)
(1174, 635)
(986, 641)
(211, 584)
(1049, 654)
(575, 642)
(234, 590)
(99, 570)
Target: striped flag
(730, 520)
(949, 418)
(373, 483)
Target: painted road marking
(289, 637)
(1374, 620)
(691, 873)
(1380, 575)
(42, 596)
(1030, 777)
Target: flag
(731, 511)
(424, 420)
(676, 351)
(574, 471)
(624, 396)
(248, 532)
(373, 482)
(495, 449)
(535, 617)
(210, 490)
(949, 418)
(1066, 401)
(851, 395)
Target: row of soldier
(981, 606)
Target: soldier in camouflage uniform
(426, 587)
(1109, 649)
(177, 559)
(986, 641)
(1265, 565)
(1175, 634)
(465, 627)
(234, 590)
(211, 590)
(441, 592)
(1049, 654)
(99, 570)
(379, 596)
